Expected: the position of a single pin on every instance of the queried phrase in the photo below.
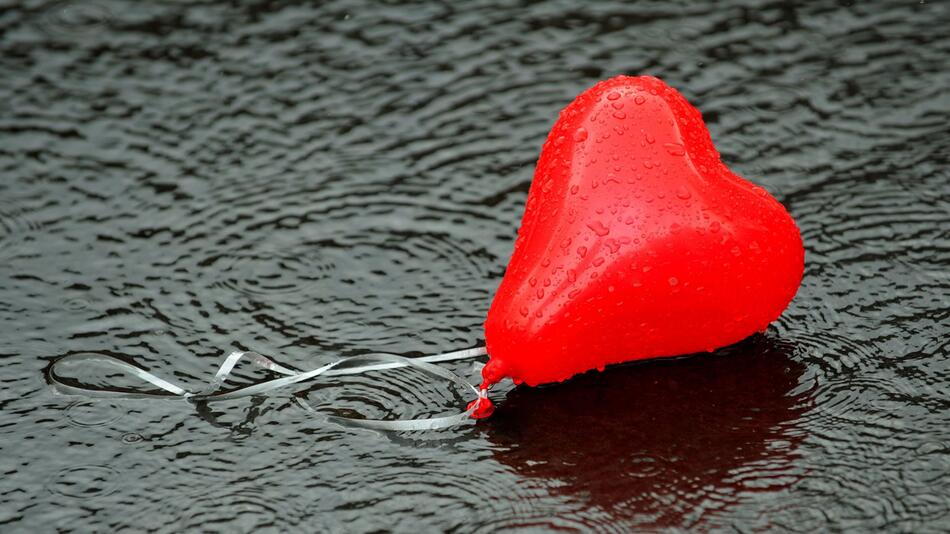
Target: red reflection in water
(662, 442)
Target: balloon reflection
(662, 442)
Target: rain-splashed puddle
(179, 180)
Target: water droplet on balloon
(682, 192)
(613, 95)
(574, 189)
(540, 292)
(582, 251)
(674, 281)
(566, 243)
(617, 105)
(524, 311)
(650, 139)
(675, 149)
(599, 228)
(620, 115)
(580, 135)
(598, 262)
(533, 281)
(639, 100)
(714, 226)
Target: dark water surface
(182, 179)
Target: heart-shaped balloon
(636, 242)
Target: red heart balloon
(636, 242)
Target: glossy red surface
(636, 242)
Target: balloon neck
(493, 372)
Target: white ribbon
(346, 366)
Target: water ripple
(74, 17)
(15, 225)
(92, 413)
(84, 482)
(392, 394)
(237, 507)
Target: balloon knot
(481, 407)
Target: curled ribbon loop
(346, 366)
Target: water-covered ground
(183, 179)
